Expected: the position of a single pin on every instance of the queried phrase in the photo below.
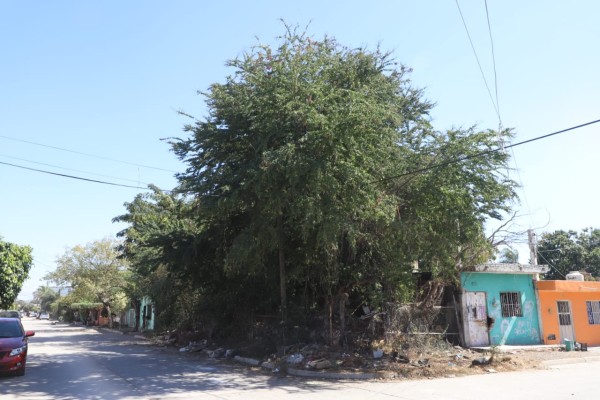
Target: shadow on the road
(92, 365)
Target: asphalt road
(80, 363)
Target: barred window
(511, 304)
(593, 310)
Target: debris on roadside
(319, 364)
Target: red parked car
(13, 346)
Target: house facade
(570, 310)
(499, 305)
(147, 314)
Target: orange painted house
(569, 310)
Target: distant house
(89, 313)
(499, 305)
(147, 314)
(570, 310)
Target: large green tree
(96, 273)
(296, 164)
(316, 177)
(15, 263)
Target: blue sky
(106, 79)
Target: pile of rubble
(389, 363)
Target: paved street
(80, 363)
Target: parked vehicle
(44, 315)
(13, 346)
(10, 314)
(33, 314)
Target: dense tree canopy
(317, 176)
(566, 251)
(15, 263)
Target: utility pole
(531, 239)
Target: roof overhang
(497, 268)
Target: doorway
(477, 327)
(565, 321)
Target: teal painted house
(147, 314)
(499, 305)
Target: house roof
(568, 286)
(497, 268)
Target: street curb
(332, 375)
(249, 361)
(566, 361)
(117, 332)
(310, 374)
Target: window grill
(511, 304)
(564, 313)
(593, 310)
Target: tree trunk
(330, 319)
(110, 318)
(282, 272)
(136, 307)
(343, 301)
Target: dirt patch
(432, 363)
(454, 361)
(408, 362)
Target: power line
(483, 153)
(86, 154)
(487, 14)
(477, 58)
(550, 264)
(71, 169)
(73, 177)
(413, 172)
(513, 158)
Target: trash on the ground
(490, 370)
(321, 363)
(481, 361)
(197, 346)
(230, 353)
(400, 358)
(295, 359)
(378, 353)
(220, 352)
(422, 363)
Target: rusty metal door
(477, 319)
(565, 321)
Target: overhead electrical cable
(71, 169)
(86, 154)
(483, 153)
(497, 102)
(487, 14)
(417, 171)
(550, 264)
(477, 58)
(72, 176)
